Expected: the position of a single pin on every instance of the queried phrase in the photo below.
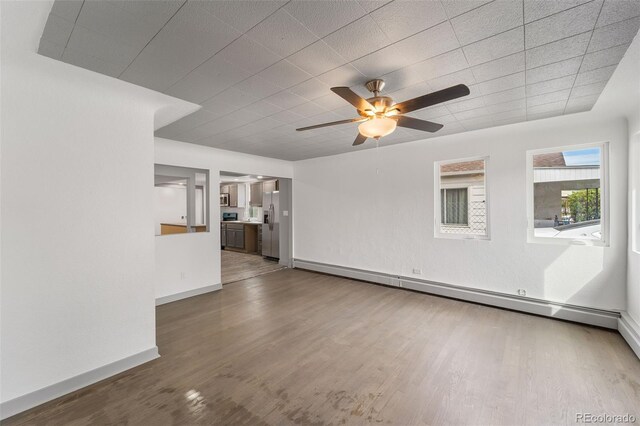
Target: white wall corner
(630, 331)
(56, 390)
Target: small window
(567, 195)
(461, 200)
(455, 207)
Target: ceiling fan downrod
(375, 86)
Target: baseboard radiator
(597, 317)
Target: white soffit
(22, 24)
(262, 68)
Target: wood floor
(240, 266)
(296, 347)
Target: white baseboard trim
(591, 316)
(186, 294)
(33, 399)
(630, 331)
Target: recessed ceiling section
(232, 177)
(263, 68)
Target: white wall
(76, 217)
(77, 230)
(622, 97)
(627, 80)
(633, 277)
(170, 205)
(374, 210)
(189, 262)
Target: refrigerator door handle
(271, 214)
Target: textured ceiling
(262, 68)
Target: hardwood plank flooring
(240, 266)
(296, 347)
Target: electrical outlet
(417, 271)
(522, 292)
(183, 275)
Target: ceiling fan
(379, 115)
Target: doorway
(255, 225)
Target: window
(461, 199)
(567, 194)
(181, 200)
(454, 208)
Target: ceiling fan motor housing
(381, 103)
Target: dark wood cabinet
(235, 236)
(270, 186)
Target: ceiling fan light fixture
(379, 115)
(377, 127)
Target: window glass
(568, 194)
(462, 201)
(455, 206)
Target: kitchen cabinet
(235, 236)
(237, 194)
(244, 236)
(259, 239)
(270, 186)
(233, 195)
(242, 195)
(256, 195)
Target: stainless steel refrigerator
(271, 224)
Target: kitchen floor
(240, 266)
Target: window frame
(604, 196)
(438, 200)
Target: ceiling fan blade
(359, 139)
(415, 123)
(353, 98)
(434, 98)
(333, 123)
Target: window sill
(444, 235)
(567, 241)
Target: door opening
(255, 225)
